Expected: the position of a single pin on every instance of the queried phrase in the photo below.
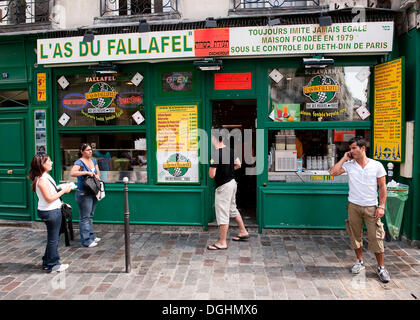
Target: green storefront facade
(241, 95)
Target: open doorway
(242, 115)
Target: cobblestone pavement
(176, 265)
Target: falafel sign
(366, 37)
(388, 108)
(177, 144)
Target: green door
(14, 164)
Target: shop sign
(177, 144)
(311, 38)
(132, 46)
(321, 178)
(233, 81)
(321, 91)
(101, 102)
(129, 100)
(344, 135)
(176, 81)
(211, 42)
(367, 37)
(74, 101)
(41, 86)
(388, 111)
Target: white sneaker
(97, 239)
(59, 267)
(359, 266)
(93, 244)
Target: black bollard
(127, 228)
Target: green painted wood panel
(12, 62)
(320, 208)
(13, 193)
(14, 186)
(176, 206)
(12, 142)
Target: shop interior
(301, 155)
(118, 155)
(241, 114)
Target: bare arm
(382, 197)
(237, 164)
(337, 169)
(75, 171)
(212, 172)
(46, 191)
(98, 173)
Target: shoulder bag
(67, 219)
(91, 184)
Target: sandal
(215, 246)
(240, 238)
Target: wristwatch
(382, 207)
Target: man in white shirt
(365, 176)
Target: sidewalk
(176, 265)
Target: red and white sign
(211, 42)
(233, 81)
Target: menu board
(177, 144)
(388, 108)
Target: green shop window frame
(142, 128)
(268, 124)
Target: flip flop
(215, 246)
(239, 238)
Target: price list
(176, 128)
(388, 111)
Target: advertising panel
(387, 125)
(177, 144)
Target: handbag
(101, 193)
(66, 220)
(92, 185)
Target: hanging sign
(177, 144)
(388, 111)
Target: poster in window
(177, 144)
(40, 132)
(321, 101)
(91, 100)
(331, 94)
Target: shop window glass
(331, 94)
(14, 99)
(118, 155)
(93, 100)
(308, 155)
(177, 81)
